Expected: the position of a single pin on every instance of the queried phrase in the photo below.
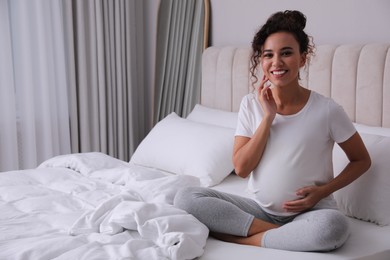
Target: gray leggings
(316, 230)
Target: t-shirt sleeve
(340, 126)
(244, 120)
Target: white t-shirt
(298, 151)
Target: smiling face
(281, 59)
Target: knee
(334, 230)
(185, 197)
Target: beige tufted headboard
(355, 76)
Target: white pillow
(181, 146)
(367, 198)
(203, 114)
(365, 129)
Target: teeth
(280, 72)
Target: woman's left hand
(310, 196)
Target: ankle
(260, 226)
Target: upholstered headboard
(355, 76)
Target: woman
(284, 141)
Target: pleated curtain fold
(180, 43)
(106, 91)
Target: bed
(93, 206)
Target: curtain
(71, 79)
(34, 118)
(180, 42)
(106, 88)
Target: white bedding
(92, 206)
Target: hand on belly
(309, 197)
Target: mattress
(367, 240)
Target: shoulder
(320, 98)
(249, 102)
(249, 98)
(339, 124)
(322, 101)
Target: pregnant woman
(283, 143)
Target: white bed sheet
(366, 242)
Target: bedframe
(93, 206)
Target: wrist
(325, 190)
(268, 119)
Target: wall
(234, 22)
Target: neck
(289, 95)
(291, 99)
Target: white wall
(234, 22)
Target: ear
(303, 59)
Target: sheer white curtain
(71, 78)
(34, 119)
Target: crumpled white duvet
(92, 206)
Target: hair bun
(295, 18)
(289, 19)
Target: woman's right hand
(266, 99)
(247, 152)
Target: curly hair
(293, 22)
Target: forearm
(311, 195)
(359, 163)
(349, 174)
(248, 156)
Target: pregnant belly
(273, 193)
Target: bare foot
(255, 234)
